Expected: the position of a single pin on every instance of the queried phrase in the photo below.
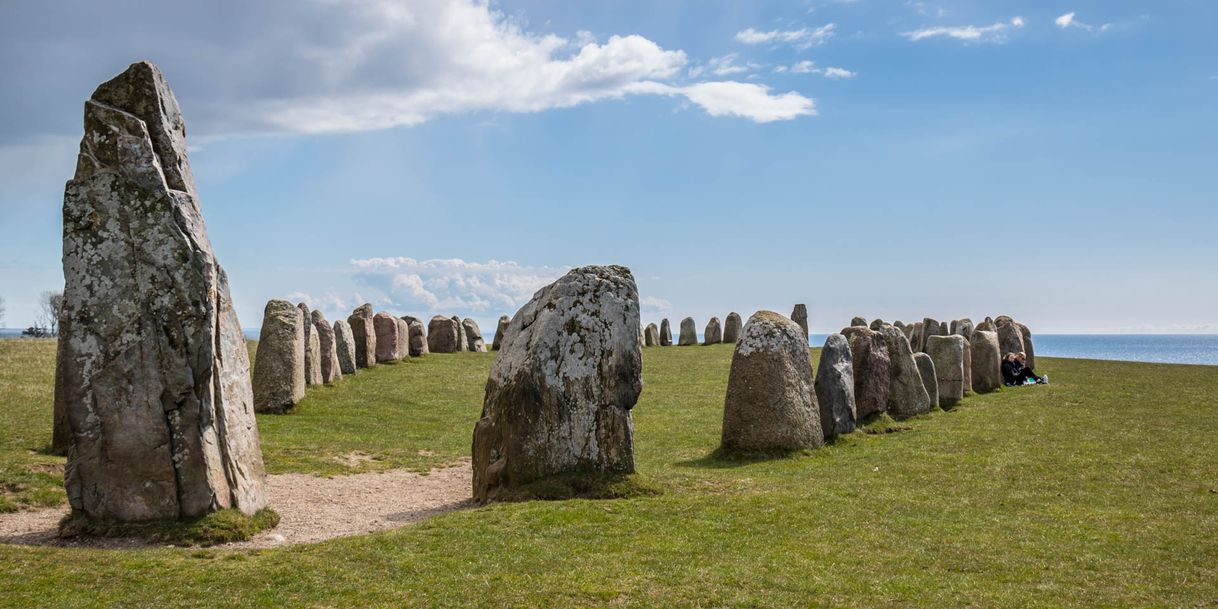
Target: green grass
(1096, 491)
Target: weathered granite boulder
(947, 352)
(930, 327)
(835, 387)
(155, 375)
(312, 355)
(473, 336)
(443, 335)
(963, 327)
(907, 396)
(651, 336)
(926, 371)
(771, 401)
(986, 326)
(504, 320)
(1028, 349)
(877, 324)
(732, 326)
(799, 315)
(403, 338)
(462, 338)
(1010, 339)
(859, 321)
(344, 345)
(364, 332)
(330, 369)
(987, 361)
(915, 337)
(942, 331)
(869, 352)
(559, 394)
(387, 338)
(279, 378)
(61, 427)
(665, 333)
(713, 334)
(417, 336)
(689, 333)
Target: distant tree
(36, 332)
(50, 306)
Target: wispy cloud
(746, 100)
(452, 283)
(802, 38)
(810, 67)
(724, 65)
(1068, 20)
(969, 33)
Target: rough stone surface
(869, 352)
(330, 370)
(651, 336)
(344, 345)
(155, 374)
(559, 394)
(926, 371)
(907, 396)
(473, 336)
(963, 327)
(364, 333)
(665, 333)
(947, 352)
(279, 378)
(61, 429)
(1026, 334)
(771, 402)
(416, 337)
(1010, 339)
(689, 333)
(504, 320)
(859, 321)
(713, 334)
(986, 326)
(312, 349)
(443, 335)
(462, 338)
(388, 348)
(930, 327)
(876, 324)
(403, 338)
(799, 315)
(987, 361)
(732, 326)
(835, 387)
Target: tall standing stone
(156, 375)
(689, 333)
(364, 332)
(858, 321)
(330, 369)
(732, 327)
(403, 338)
(799, 315)
(417, 337)
(279, 377)
(560, 392)
(930, 327)
(872, 370)
(443, 335)
(987, 361)
(1010, 339)
(930, 382)
(473, 336)
(387, 338)
(462, 339)
(665, 333)
(344, 345)
(947, 352)
(651, 336)
(877, 324)
(312, 349)
(771, 402)
(907, 396)
(504, 320)
(713, 334)
(986, 326)
(835, 387)
(963, 327)
(1029, 350)
(968, 365)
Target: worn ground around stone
(311, 508)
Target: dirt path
(310, 508)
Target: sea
(1157, 348)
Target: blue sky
(1056, 161)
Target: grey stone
(403, 338)
(443, 335)
(473, 336)
(968, 365)
(930, 382)
(876, 324)
(504, 320)
(963, 327)
(907, 396)
(1010, 339)
(559, 394)
(689, 333)
(799, 315)
(416, 337)
(155, 372)
(279, 378)
(835, 387)
(947, 352)
(986, 326)
(859, 321)
(732, 327)
(915, 337)
(771, 401)
(387, 339)
(312, 349)
(651, 336)
(987, 361)
(1029, 350)
(344, 346)
(330, 369)
(364, 333)
(872, 370)
(713, 334)
(930, 327)
(462, 339)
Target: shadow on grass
(720, 459)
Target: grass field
(1097, 491)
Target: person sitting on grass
(1015, 371)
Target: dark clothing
(1015, 373)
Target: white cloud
(837, 73)
(725, 66)
(444, 285)
(745, 100)
(651, 304)
(803, 67)
(969, 33)
(1067, 21)
(802, 38)
(809, 67)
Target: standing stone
(987, 326)
(642, 338)
(987, 362)
(504, 320)
(403, 338)
(968, 365)
(61, 428)
(156, 375)
(930, 327)
(835, 387)
(872, 373)
(312, 356)
(907, 396)
(417, 336)
(771, 402)
(443, 335)
(1026, 334)
(473, 336)
(344, 345)
(713, 334)
(963, 327)
(947, 352)
(364, 332)
(926, 371)
(387, 339)
(279, 377)
(732, 327)
(859, 321)
(330, 370)
(689, 334)
(1010, 339)
(651, 337)
(665, 333)
(462, 339)
(559, 394)
(919, 331)
(877, 324)
(799, 315)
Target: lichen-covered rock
(330, 369)
(403, 338)
(987, 361)
(926, 371)
(279, 378)
(907, 396)
(312, 355)
(947, 352)
(799, 315)
(771, 401)
(651, 336)
(364, 333)
(689, 333)
(155, 372)
(713, 334)
(665, 333)
(473, 336)
(877, 324)
(417, 338)
(344, 345)
(388, 348)
(872, 370)
(1010, 339)
(462, 339)
(504, 320)
(443, 335)
(559, 394)
(858, 321)
(732, 327)
(835, 387)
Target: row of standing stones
(153, 378)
